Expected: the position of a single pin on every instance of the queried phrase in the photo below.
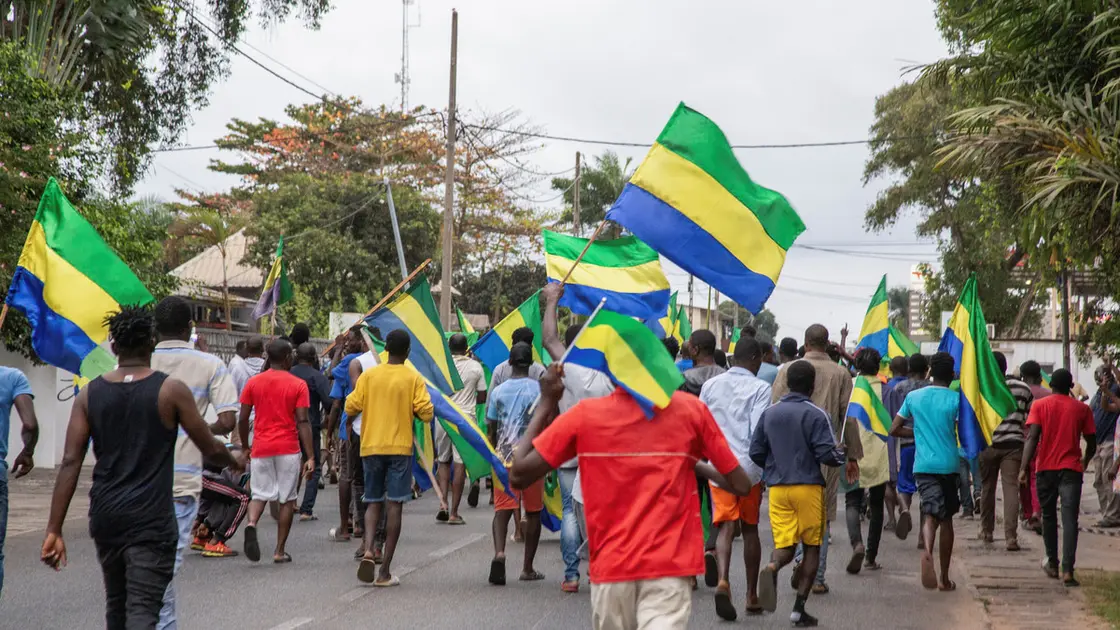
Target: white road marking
(292, 624)
(457, 545)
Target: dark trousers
(311, 488)
(1066, 485)
(136, 576)
(853, 506)
(223, 506)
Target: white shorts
(275, 478)
(446, 453)
(664, 604)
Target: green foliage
(499, 289)
(600, 186)
(898, 305)
(140, 66)
(764, 323)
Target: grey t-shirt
(901, 390)
(694, 378)
(503, 372)
(581, 383)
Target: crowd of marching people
(762, 425)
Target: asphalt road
(443, 570)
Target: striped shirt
(210, 384)
(1010, 431)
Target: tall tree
(898, 306)
(141, 66)
(764, 323)
(600, 185)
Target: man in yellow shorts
(792, 441)
(737, 399)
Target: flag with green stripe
(625, 271)
(493, 347)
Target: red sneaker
(570, 586)
(218, 550)
(198, 544)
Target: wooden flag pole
(388, 296)
(591, 240)
(3, 314)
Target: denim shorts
(388, 477)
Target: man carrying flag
(473, 393)
(866, 407)
(644, 549)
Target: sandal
(456, 520)
(821, 589)
(929, 577)
(441, 515)
(768, 588)
(367, 570)
(498, 571)
(334, 535)
(945, 588)
(303, 518)
(252, 546)
(392, 581)
(531, 576)
(871, 565)
(724, 608)
(282, 559)
(1070, 581)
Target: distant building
(201, 280)
(918, 303)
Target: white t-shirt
(581, 383)
(367, 361)
(474, 381)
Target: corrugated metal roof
(206, 268)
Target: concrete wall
(1049, 355)
(53, 390)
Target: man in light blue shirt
(14, 391)
(767, 371)
(737, 399)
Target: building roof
(205, 269)
(437, 287)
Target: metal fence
(223, 342)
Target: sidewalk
(29, 500)
(1012, 586)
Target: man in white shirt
(502, 373)
(211, 384)
(737, 399)
(473, 393)
(579, 383)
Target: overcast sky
(765, 72)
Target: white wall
(1048, 353)
(53, 390)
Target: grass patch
(1102, 593)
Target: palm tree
(600, 186)
(898, 308)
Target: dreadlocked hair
(132, 329)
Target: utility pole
(449, 183)
(575, 200)
(1063, 284)
(690, 300)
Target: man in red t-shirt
(280, 430)
(641, 501)
(1056, 425)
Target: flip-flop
(711, 570)
(334, 536)
(872, 566)
(284, 559)
(441, 515)
(951, 586)
(367, 570)
(856, 562)
(392, 581)
(768, 589)
(531, 577)
(303, 518)
(1071, 582)
(929, 577)
(754, 610)
(724, 608)
(795, 575)
(472, 496)
(252, 546)
(902, 530)
(456, 520)
(498, 571)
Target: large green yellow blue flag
(692, 201)
(628, 352)
(736, 335)
(625, 271)
(553, 512)
(875, 332)
(67, 281)
(985, 399)
(669, 324)
(493, 347)
(867, 407)
(414, 311)
(899, 345)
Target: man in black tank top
(133, 415)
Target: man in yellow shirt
(388, 396)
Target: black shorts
(939, 494)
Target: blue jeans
(824, 553)
(3, 519)
(186, 509)
(969, 476)
(570, 538)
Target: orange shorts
(530, 499)
(727, 507)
